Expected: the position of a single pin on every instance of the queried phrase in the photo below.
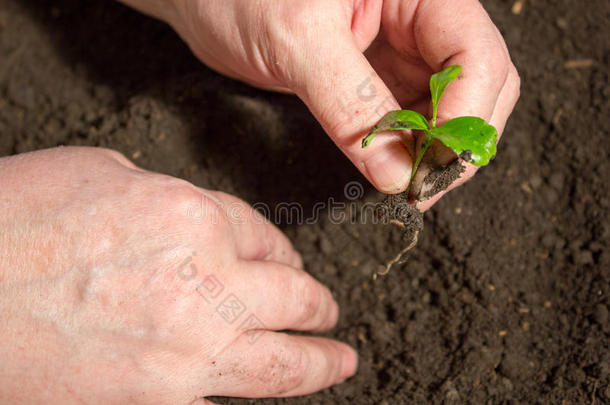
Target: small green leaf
(471, 138)
(438, 83)
(395, 120)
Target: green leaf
(438, 83)
(395, 120)
(471, 138)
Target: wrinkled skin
(111, 280)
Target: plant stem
(420, 156)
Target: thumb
(343, 92)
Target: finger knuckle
(238, 212)
(266, 247)
(497, 64)
(116, 155)
(294, 22)
(286, 369)
(297, 260)
(515, 82)
(309, 298)
(179, 193)
(195, 205)
(300, 25)
(88, 152)
(342, 131)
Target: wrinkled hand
(351, 61)
(119, 285)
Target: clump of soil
(396, 210)
(399, 209)
(438, 180)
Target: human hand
(351, 61)
(118, 285)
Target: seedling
(471, 138)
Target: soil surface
(505, 298)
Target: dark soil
(395, 209)
(505, 298)
(438, 180)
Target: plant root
(399, 256)
(396, 210)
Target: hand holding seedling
(471, 138)
(353, 61)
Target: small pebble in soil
(517, 7)
(562, 23)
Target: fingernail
(390, 168)
(350, 363)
